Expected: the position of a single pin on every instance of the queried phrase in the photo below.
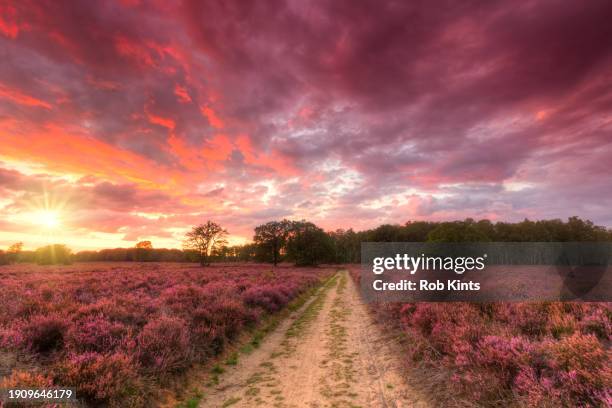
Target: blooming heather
(112, 331)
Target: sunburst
(46, 212)
(48, 219)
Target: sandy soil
(329, 353)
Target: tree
(347, 246)
(144, 251)
(15, 248)
(270, 239)
(12, 253)
(386, 233)
(53, 254)
(144, 245)
(245, 253)
(205, 238)
(457, 231)
(220, 253)
(309, 245)
(417, 231)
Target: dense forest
(304, 243)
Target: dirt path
(328, 354)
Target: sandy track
(327, 354)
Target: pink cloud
(245, 112)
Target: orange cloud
(20, 98)
(212, 117)
(182, 94)
(188, 157)
(273, 160)
(79, 154)
(160, 120)
(220, 147)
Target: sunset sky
(129, 120)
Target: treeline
(304, 243)
(136, 255)
(47, 255)
(308, 244)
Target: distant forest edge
(304, 243)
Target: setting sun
(47, 219)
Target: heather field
(537, 354)
(116, 332)
(188, 187)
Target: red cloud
(16, 96)
(212, 117)
(349, 114)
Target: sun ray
(47, 218)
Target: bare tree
(204, 238)
(16, 248)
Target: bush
(26, 379)
(534, 390)
(270, 297)
(164, 346)
(96, 334)
(229, 315)
(109, 379)
(44, 333)
(530, 318)
(579, 367)
(599, 323)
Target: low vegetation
(116, 332)
(536, 354)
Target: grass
(247, 348)
(257, 338)
(217, 369)
(231, 401)
(232, 360)
(267, 364)
(214, 380)
(312, 311)
(191, 403)
(255, 378)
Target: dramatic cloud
(140, 118)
